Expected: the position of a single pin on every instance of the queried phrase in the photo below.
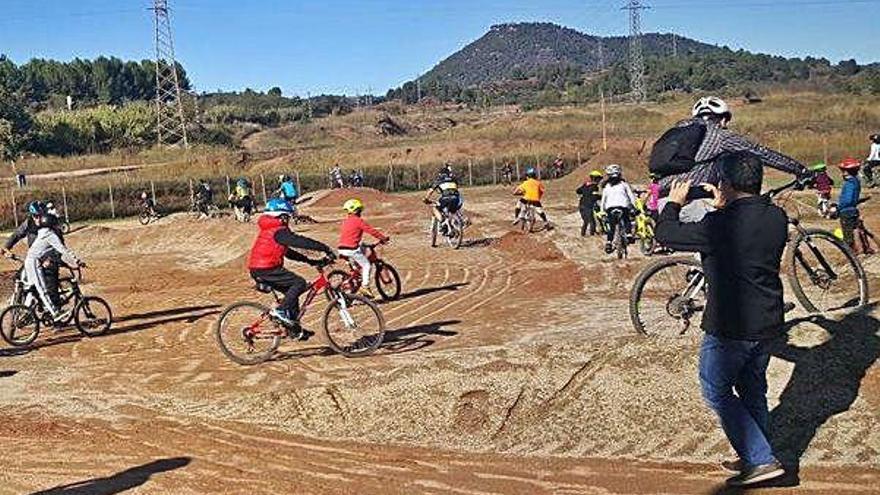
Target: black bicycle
(823, 272)
(20, 322)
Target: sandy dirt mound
(527, 247)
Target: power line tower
(170, 120)
(636, 60)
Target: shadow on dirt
(483, 242)
(825, 382)
(121, 481)
(416, 337)
(424, 291)
(189, 315)
(10, 352)
(7, 373)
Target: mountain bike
(527, 217)
(601, 221)
(353, 325)
(20, 322)
(199, 207)
(242, 209)
(450, 228)
(620, 242)
(824, 206)
(386, 277)
(823, 272)
(644, 229)
(148, 214)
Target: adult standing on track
(741, 246)
(873, 160)
(589, 199)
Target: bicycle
(148, 215)
(620, 242)
(199, 207)
(242, 209)
(386, 277)
(644, 229)
(824, 207)
(451, 227)
(20, 321)
(247, 333)
(601, 221)
(817, 265)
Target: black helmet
(36, 208)
(875, 138)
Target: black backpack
(674, 153)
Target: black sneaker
(734, 465)
(757, 474)
(788, 307)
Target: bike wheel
(92, 316)
(454, 232)
(387, 281)
(434, 228)
(19, 325)
(246, 334)
(144, 218)
(620, 243)
(354, 325)
(666, 296)
(824, 273)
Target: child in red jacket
(351, 233)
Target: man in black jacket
(741, 247)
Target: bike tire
(388, 288)
(371, 342)
(620, 242)
(144, 218)
(646, 245)
(637, 293)
(256, 310)
(458, 227)
(11, 321)
(434, 228)
(85, 316)
(794, 264)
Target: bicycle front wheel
(92, 316)
(666, 297)
(19, 325)
(354, 325)
(824, 273)
(246, 334)
(144, 218)
(387, 281)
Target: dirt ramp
(524, 247)
(375, 201)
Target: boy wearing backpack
(690, 150)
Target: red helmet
(849, 164)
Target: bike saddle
(263, 287)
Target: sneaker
(757, 474)
(609, 248)
(367, 292)
(282, 316)
(733, 465)
(305, 335)
(516, 221)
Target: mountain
(515, 51)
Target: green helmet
(819, 167)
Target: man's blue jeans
(726, 366)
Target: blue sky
(350, 46)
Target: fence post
(112, 206)
(228, 188)
(14, 209)
(263, 182)
(64, 202)
(299, 188)
(825, 149)
(470, 172)
(153, 192)
(494, 173)
(578, 164)
(419, 174)
(517, 168)
(538, 166)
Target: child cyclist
(532, 191)
(275, 242)
(351, 233)
(848, 203)
(823, 184)
(618, 201)
(450, 199)
(47, 244)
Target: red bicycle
(386, 276)
(248, 334)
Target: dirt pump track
(509, 367)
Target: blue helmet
(243, 182)
(277, 207)
(530, 172)
(36, 208)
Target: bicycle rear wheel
(666, 297)
(387, 281)
(620, 243)
(354, 325)
(434, 227)
(144, 218)
(824, 273)
(455, 234)
(19, 325)
(246, 334)
(92, 316)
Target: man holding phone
(741, 245)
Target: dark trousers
(848, 224)
(589, 221)
(614, 216)
(50, 277)
(291, 284)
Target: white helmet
(711, 105)
(613, 170)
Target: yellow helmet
(353, 205)
(596, 173)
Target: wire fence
(120, 196)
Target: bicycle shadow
(121, 481)
(8, 373)
(825, 382)
(424, 291)
(416, 337)
(481, 242)
(188, 314)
